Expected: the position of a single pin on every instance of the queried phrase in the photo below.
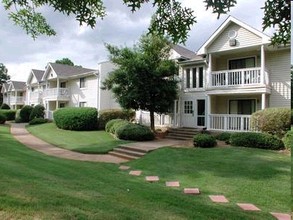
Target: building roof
(18, 85)
(38, 74)
(184, 52)
(63, 70)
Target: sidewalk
(20, 133)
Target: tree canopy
(170, 18)
(145, 79)
(3, 74)
(65, 61)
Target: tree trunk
(152, 119)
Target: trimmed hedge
(224, 136)
(288, 140)
(2, 119)
(256, 140)
(25, 113)
(204, 140)
(37, 121)
(78, 119)
(109, 114)
(111, 123)
(9, 114)
(134, 132)
(5, 106)
(37, 112)
(276, 121)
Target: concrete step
(129, 152)
(134, 148)
(179, 138)
(182, 133)
(122, 155)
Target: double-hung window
(82, 82)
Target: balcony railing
(227, 122)
(237, 77)
(56, 93)
(35, 96)
(17, 99)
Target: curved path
(23, 136)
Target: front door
(201, 106)
(189, 117)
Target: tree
(170, 17)
(65, 61)
(3, 78)
(145, 78)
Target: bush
(204, 140)
(288, 139)
(4, 106)
(78, 119)
(17, 116)
(110, 124)
(256, 140)
(25, 113)
(37, 112)
(2, 119)
(37, 121)
(224, 136)
(109, 114)
(134, 132)
(9, 114)
(276, 121)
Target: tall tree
(145, 79)
(170, 18)
(65, 61)
(3, 78)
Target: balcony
(35, 97)
(56, 94)
(229, 122)
(17, 100)
(243, 78)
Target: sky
(85, 46)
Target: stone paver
(281, 216)
(135, 172)
(152, 179)
(173, 184)
(123, 167)
(191, 191)
(218, 198)
(248, 207)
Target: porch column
(209, 71)
(208, 112)
(262, 61)
(174, 114)
(58, 85)
(263, 101)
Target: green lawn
(36, 186)
(90, 142)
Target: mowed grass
(36, 186)
(90, 142)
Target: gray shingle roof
(66, 70)
(38, 74)
(184, 52)
(18, 85)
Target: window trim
(82, 82)
(240, 58)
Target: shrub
(204, 140)
(256, 140)
(109, 114)
(17, 116)
(2, 119)
(78, 119)
(10, 114)
(4, 106)
(224, 136)
(288, 139)
(25, 113)
(276, 121)
(111, 123)
(135, 132)
(37, 121)
(37, 112)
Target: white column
(262, 62)
(263, 101)
(174, 114)
(208, 111)
(209, 72)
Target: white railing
(237, 77)
(6, 100)
(49, 114)
(225, 122)
(35, 96)
(17, 99)
(56, 93)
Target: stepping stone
(191, 191)
(123, 167)
(152, 178)
(173, 184)
(281, 216)
(135, 172)
(219, 199)
(248, 207)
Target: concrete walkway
(20, 133)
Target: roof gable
(179, 52)
(232, 23)
(35, 76)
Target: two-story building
(14, 94)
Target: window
(188, 107)
(63, 84)
(187, 78)
(242, 63)
(21, 94)
(82, 104)
(200, 77)
(242, 106)
(194, 78)
(62, 105)
(82, 82)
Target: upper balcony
(62, 94)
(17, 100)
